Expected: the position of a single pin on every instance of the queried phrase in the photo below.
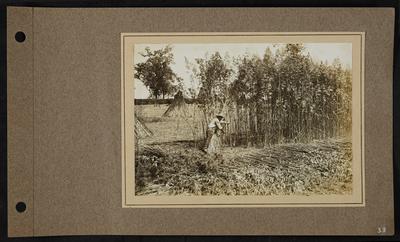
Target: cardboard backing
(64, 122)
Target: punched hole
(20, 36)
(20, 207)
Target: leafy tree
(214, 74)
(156, 73)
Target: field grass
(187, 126)
(170, 163)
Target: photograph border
(357, 199)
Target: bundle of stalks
(141, 130)
(288, 155)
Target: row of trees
(280, 97)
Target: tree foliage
(214, 75)
(156, 73)
(285, 97)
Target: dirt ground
(171, 163)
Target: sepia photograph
(243, 119)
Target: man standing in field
(214, 128)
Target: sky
(318, 52)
